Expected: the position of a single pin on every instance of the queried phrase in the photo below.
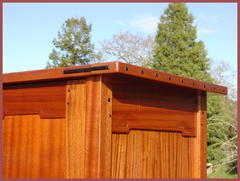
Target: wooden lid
(110, 68)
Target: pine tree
(178, 52)
(72, 45)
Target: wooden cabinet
(109, 120)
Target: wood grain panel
(98, 128)
(76, 116)
(151, 154)
(141, 104)
(33, 147)
(46, 99)
(89, 128)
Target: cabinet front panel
(152, 154)
(33, 147)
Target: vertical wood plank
(7, 137)
(197, 145)
(164, 154)
(119, 155)
(185, 158)
(75, 117)
(14, 160)
(173, 154)
(89, 115)
(203, 135)
(39, 135)
(98, 128)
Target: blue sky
(29, 28)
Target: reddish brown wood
(97, 163)
(169, 78)
(47, 99)
(140, 104)
(75, 128)
(89, 128)
(56, 73)
(127, 123)
(151, 154)
(114, 67)
(33, 147)
(203, 122)
(198, 145)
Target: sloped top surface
(109, 68)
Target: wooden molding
(113, 68)
(150, 74)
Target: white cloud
(206, 31)
(146, 24)
(120, 22)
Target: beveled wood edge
(56, 73)
(126, 129)
(170, 78)
(114, 67)
(41, 115)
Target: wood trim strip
(198, 145)
(56, 73)
(114, 67)
(98, 129)
(169, 78)
(203, 128)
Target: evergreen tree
(72, 45)
(178, 52)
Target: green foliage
(222, 125)
(72, 45)
(214, 104)
(216, 133)
(178, 52)
(222, 172)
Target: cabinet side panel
(174, 118)
(33, 147)
(150, 154)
